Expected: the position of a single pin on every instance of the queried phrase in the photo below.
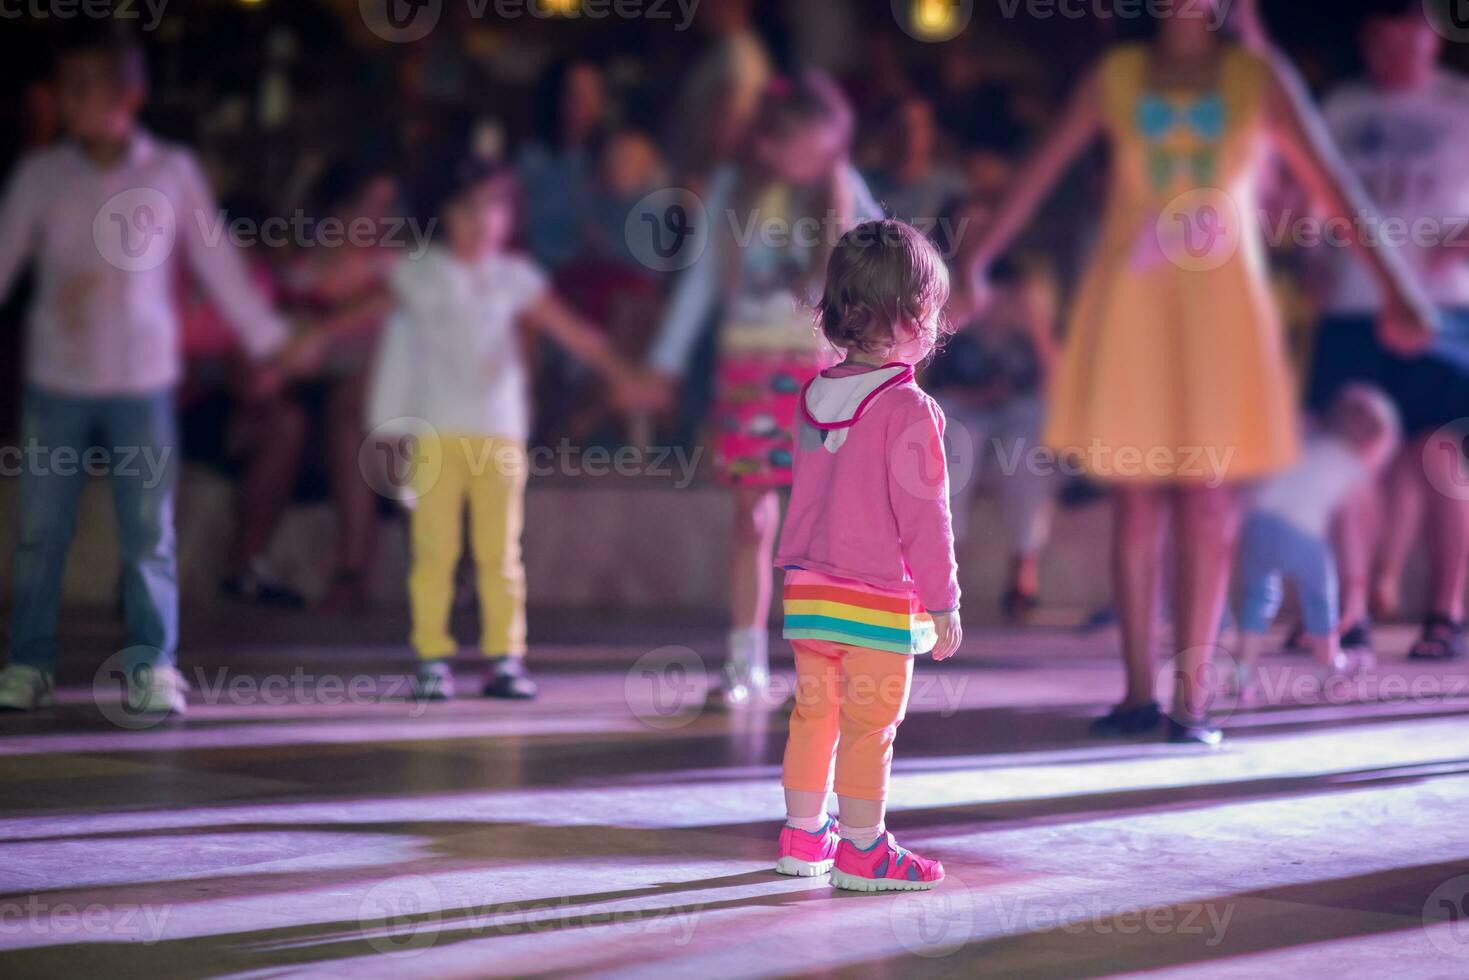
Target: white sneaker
(157, 691)
(434, 681)
(24, 688)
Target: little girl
(451, 384)
(868, 553)
(773, 214)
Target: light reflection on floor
(476, 839)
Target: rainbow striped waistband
(821, 607)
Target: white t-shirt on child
(1307, 494)
(451, 354)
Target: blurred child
(794, 172)
(1287, 532)
(106, 214)
(451, 374)
(869, 558)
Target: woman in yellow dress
(1173, 386)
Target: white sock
(750, 647)
(810, 825)
(864, 837)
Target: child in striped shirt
(868, 553)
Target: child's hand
(303, 355)
(642, 391)
(951, 633)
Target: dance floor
(306, 820)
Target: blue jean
(135, 440)
(1271, 548)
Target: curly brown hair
(883, 273)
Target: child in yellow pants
(450, 387)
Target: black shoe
(1442, 639)
(1357, 638)
(1194, 733)
(508, 679)
(1123, 720)
(250, 587)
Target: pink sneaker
(807, 855)
(883, 867)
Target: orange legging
(849, 703)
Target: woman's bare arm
(1078, 125)
(1302, 141)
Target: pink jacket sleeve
(918, 486)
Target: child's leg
(439, 482)
(812, 742)
(875, 686)
(1312, 567)
(497, 518)
(752, 575)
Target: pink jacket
(871, 494)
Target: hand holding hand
(951, 634)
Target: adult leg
(1404, 495)
(1137, 547)
(52, 429)
(277, 444)
(1356, 534)
(140, 433)
(1207, 528)
(1446, 468)
(1027, 496)
(353, 498)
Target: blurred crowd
(309, 124)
